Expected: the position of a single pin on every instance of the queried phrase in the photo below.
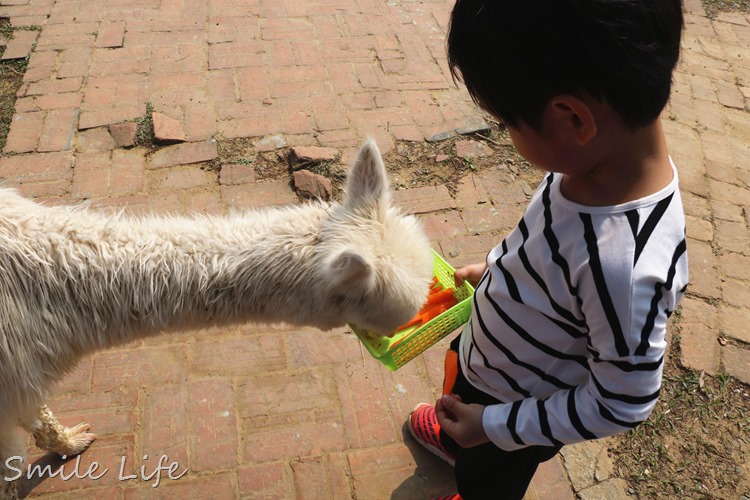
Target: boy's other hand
(471, 273)
(460, 421)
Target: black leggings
(486, 471)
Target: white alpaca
(73, 281)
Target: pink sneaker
(423, 425)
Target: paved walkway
(284, 413)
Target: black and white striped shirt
(568, 324)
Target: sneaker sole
(435, 451)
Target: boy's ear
(573, 117)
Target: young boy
(567, 337)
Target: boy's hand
(471, 273)
(460, 421)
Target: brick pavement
(274, 412)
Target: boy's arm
(552, 421)
(621, 390)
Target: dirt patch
(714, 7)
(409, 164)
(695, 444)
(11, 78)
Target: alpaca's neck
(121, 279)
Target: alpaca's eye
(339, 299)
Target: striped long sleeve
(568, 324)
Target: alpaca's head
(378, 261)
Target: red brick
(307, 53)
(216, 486)
(377, 472)
(183, 154)
(101, 69)
(44, 189)
(178, 178)
(252, 84)
(200, 122)
(19, 46)
(58, 101)
(329, 113)
(267, 481)
(466, 250)
(113, 412)
(40, 167)
(424, 199)
(551, 481)
(168, 90)
(259, 194)
(297, 90)
(235, 55)
(339, 474)
(93, 140)
(238, 356)
(91, 175)
(124, 134)
(409, 133)
(221, 85)
(167, 129)
(360, 100)
(139, 367)
(41, 66)
(74, 62)
(213, 438)
(314, 153)
(488, 217)
(308, 347)
(110, 115)
(232, 175)
(128, 172)
(206, 202)
(55, 86)
(283, 399)
(339, 138)
(111, 34)
(310, 479)
(737, 362)
(166, 202)
(363, 401)
(296, 29)
(165, 424)
(57, 131)
(266, 123)
(305, 439)
(25, 130)
(77, 381)
(343, 78)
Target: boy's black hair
(515, 55)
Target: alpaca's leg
(12, 451)
(50, 435)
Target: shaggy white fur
(73, 281)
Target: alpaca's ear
(367, 179)
(350, 270)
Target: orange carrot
(438, 301)
(432, 313)
(414, 321)
(440, 296)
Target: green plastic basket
(395, 352)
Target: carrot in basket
(437, 303)
(432, 313)
(441, 296)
